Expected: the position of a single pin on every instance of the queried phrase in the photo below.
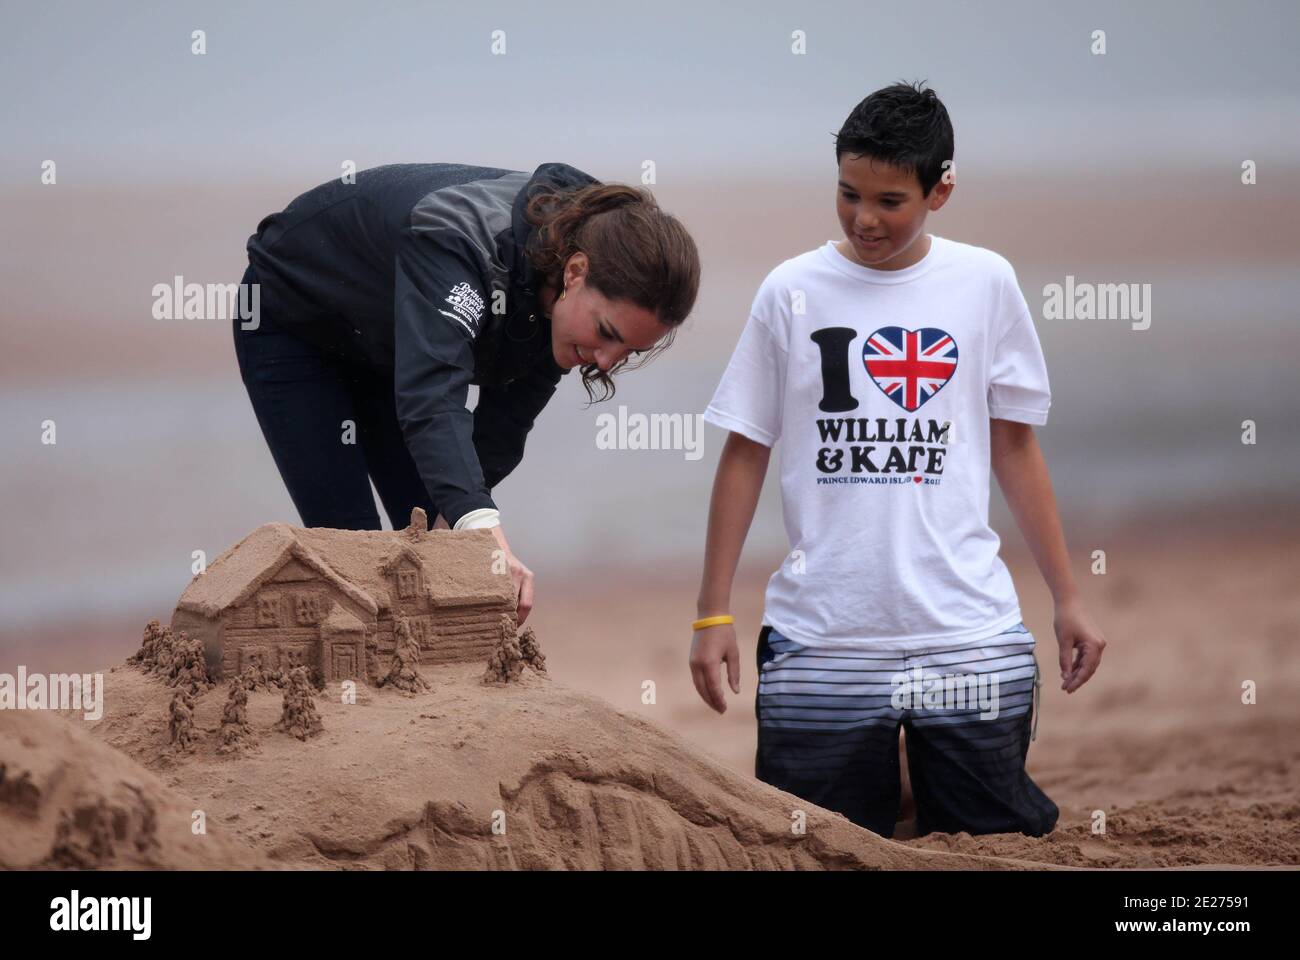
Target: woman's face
(586, 327)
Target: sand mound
(1155, 835)
(1187, 795)
(531, 775)
(68, 800)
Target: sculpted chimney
(419, 523)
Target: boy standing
(896, 367)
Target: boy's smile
(882, 213)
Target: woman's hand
(521, 575)
(710, 648)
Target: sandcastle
(295, 609)
(330, 600)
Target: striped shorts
(828, 722)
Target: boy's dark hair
(905, 125)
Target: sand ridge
(527, 775)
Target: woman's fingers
(525, 594)
(520, 575)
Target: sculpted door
(343, 661)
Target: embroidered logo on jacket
(466, 307)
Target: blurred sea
(159, 454)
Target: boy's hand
(710, 647)
(1080, 643)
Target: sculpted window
(268, 611)
(309, 609)
(407, 583)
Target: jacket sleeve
(438, 307)
(504, 416)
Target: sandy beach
(1159, 739)
(1186, 774)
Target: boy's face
(882, 212)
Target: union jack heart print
(910, 366)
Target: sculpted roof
(456, 565)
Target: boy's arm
(736, 488)
(1017, 461)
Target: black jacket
(417, 271)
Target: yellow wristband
(712, 621)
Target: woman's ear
(575, 269)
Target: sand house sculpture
(329, 600)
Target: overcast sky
(112, 91)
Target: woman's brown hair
(635, 252)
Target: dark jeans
(302, 396)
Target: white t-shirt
(858, 371)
